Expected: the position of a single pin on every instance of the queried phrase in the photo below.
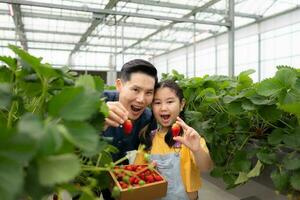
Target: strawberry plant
(248, 126)
(50, 122)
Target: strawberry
(157, 177)
(149, 178)
(175, 129)
(127, 127)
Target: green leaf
(58, 169)
(291, 108)
(276, 137)
(217, 172)
(91, 83)
(256, 170)
(51, 141)
(260, 100)
(31, 125)
(11, 62)
(82, 135)
(266, 157)
(5, 75)
(292, 140)
(235, 108)
(280, 180)
(19, 147)
(270, 113)
(241, 162)
(11, 178)
(291, 163)
(241, 178)
(74, 104)
(5, 96)
(295, 181)
(286, 76)
(248, 106)
(244, 81)
(269, 87)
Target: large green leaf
(19, 147)
(270, 113)
(286, 76)
(295, 181)
(43, 70)
(11, 62)
(241, 162)
(291, 108)
(266, 157)
(58, 169)
(260, 100)
(51, 141)
(244, 81)
(292, 140)
(74, 104)
(31, 125)
(280, 180)
(91, 83)
(235, 108)
(5, 96)
(11, 178)
(276, 137)
(82, 135)
(291, 163)
(269, 87)
(5, 75)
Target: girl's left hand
(190, 137)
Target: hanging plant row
(248, 126)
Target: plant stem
(10, 115)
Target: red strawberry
(149, 178)
(175, 129)
(157, 177)
(127, 127)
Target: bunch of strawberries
(135, 175)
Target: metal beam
(93, 26)
(188, 7)
(92, 35)
(17, 17)
(87, 45)
(111, 12)
(199, 9)
(88, 20)
(86, 51)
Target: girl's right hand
(190, 137)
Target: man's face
(136, 94)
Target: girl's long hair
(146, 135)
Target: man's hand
(117, 114)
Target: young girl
(180, 159)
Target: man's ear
(119, 84)
(182, 104)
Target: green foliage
(50, 123)
(246, 123)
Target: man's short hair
(138, 65)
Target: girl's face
(166, 106)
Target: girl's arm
(196, 144)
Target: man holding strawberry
(135, 89)
(128, 106)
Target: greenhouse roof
(143, 28)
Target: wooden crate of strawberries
(137, 182)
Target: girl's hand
(190, 137)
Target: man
(135, 90)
